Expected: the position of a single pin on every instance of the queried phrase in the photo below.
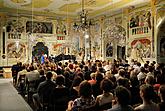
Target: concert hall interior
(108, 43)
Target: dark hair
(66, 74)
(76, 82)
(162, 91)
(86, 68)
(81, 66)
(99, 77)
(122, 72)
(123, 82)
(142, 69)
(106, 85)
(42, 72)
(60, 80)
(148, 91)
(80, 74)
(85, 89)
(60, 64)
(49, 75)
(150, 68)
(31, 68)
(150, 80)
(123, 95)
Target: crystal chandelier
(83, 24)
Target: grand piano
(61, 57)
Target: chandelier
(83, 24)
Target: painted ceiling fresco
(70, 7)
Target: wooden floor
(10, 100)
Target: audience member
(147, 93)
(122, 100)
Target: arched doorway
(161, 41)
(115, 41)
(38, 50)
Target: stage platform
(10, 100)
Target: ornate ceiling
(67, 7)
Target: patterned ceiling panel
(70, 7)
(38, 4)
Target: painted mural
(16, 50)
(39, 27)
(61, 28)
(140, 19)
(14, 29)
(140, 48)
(15, 26)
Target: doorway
(121, 52)
(38, 51)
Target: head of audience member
(150, 80)
(76, 81)
(86, 68)
(145, 65)
(80, 74)
(99, 77)
(85, 89)
(150, 69)
(123, 82)
(31, 68)
(99, 64)
(78, 69)
(108, 74)
(59, 71)
(60, 64)
(42, 72)
(147, 62)
(122, 95)
(93, 68)
(81, 66)
(162, 93)
(122, 72)
(82, 62)
(71, 66)
(147, 92)
(66, 64)
(100, 69)
(106, 85)
(138, 64)
(93, 76)
(142, 69)
(60, 80)
(66, 74)
(49, 75)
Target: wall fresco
(16, 50)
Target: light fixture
(86, 36)
(83, 24)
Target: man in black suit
(43, 91)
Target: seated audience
(60, 95)
(86, 99)
(96, 87)
(122, 99)
(147, 93)
(104, 101)
(75, 87)
(43, 92)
